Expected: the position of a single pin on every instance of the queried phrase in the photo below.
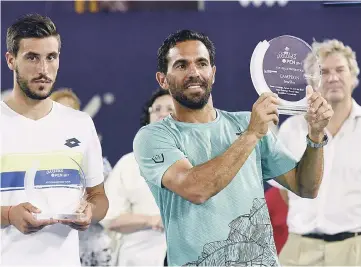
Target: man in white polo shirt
(36, 129)
(327, 230)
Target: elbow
(310, 194)
(198, 199)
(104, 208)
(313, 194)
(196, 196)
(192, 192)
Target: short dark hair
(145, 117)
(182, 36)
(29, 26)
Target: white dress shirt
(128, 192)
(337, 207)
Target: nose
(193, 71)
(333, 77)
(43, 67)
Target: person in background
(133, 212)
(95, 248)
(66, 97)
(327, 230)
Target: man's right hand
(264, 110)
(22, 218)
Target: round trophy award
(278, 66)
(56, 188)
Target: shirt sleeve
(276, 158)
(155, 151)
(93, 160)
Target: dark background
(109, 58)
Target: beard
(195, 101)
(25, 88)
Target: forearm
(310, 170)
(100, 206)
(129, 223)
(211, 177)
(5, 216)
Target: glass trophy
(56, 188)
(278, 66)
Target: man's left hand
(81, 224)
(318, 115)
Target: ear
(162, 80)
(10, 60)
(214, 74)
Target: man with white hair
(327, 230)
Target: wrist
(316, 137)
(9, 214)
(252, 135)
(316, 144)
(5, 213)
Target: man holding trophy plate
(51, 159)
(206, 166)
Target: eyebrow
(30, 53)
(179, 61)
(53, 54)
(337, 67)
(200, 59)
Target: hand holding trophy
(278, 66)
(21, 217)
(83, 222)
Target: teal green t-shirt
(231, 228)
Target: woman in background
(133, 215)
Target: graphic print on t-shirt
(249, 242)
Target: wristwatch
(317, 145)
